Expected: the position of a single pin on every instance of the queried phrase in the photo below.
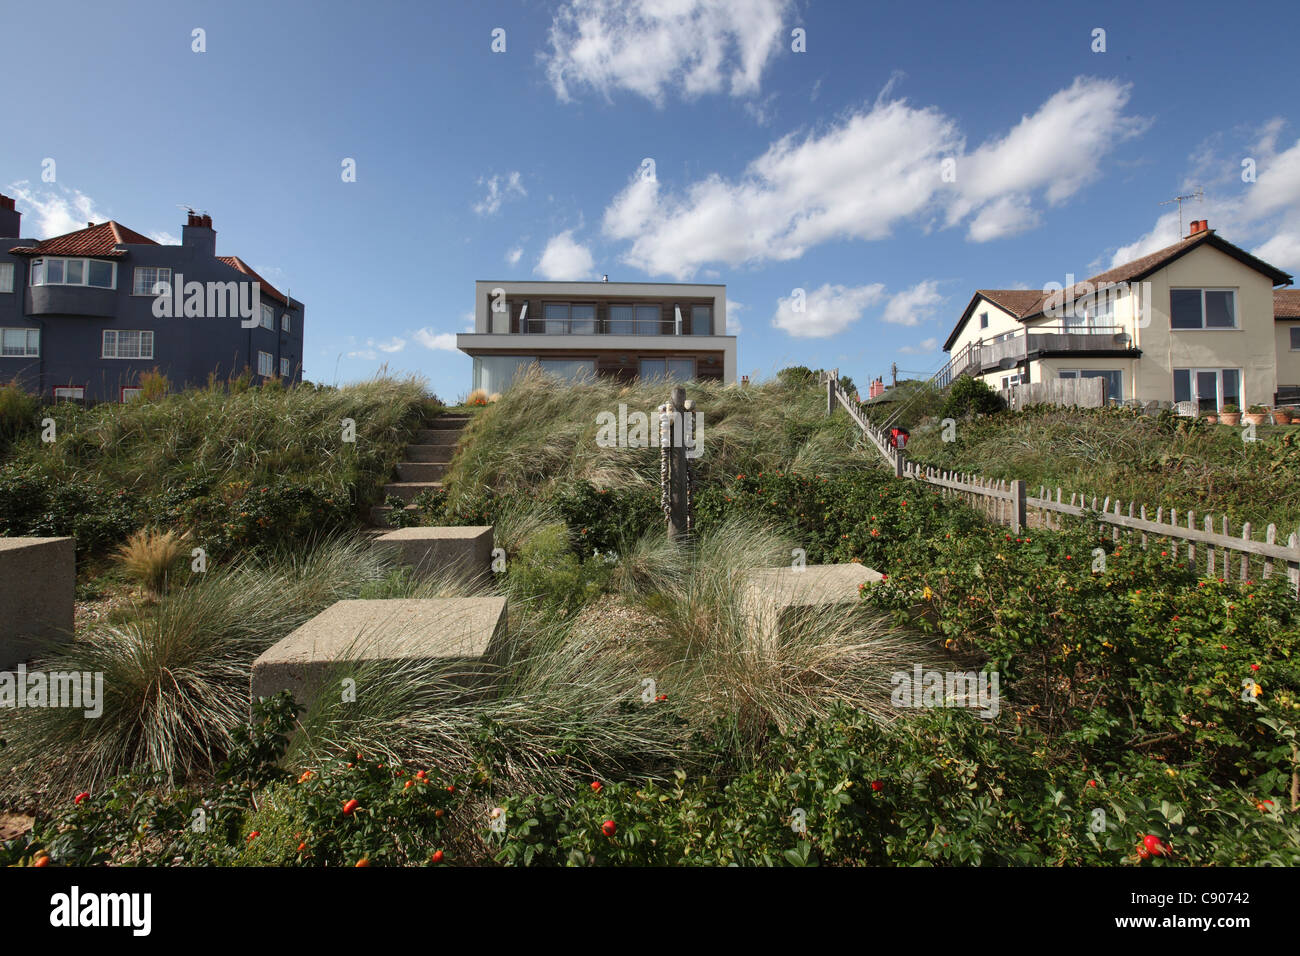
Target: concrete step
(420, 470)
(437, 436)
(407, 490)
(379, 515)
(439, 453)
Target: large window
(265, 364)
(494, 373)
(701, 320)
(1295, 338)
(1113, 377)
(564, 318)
(569, 369)
(1203, 308)
(268, 317)
(1209, 388)
(20, 343)
(90, 272)
(147, 277)
(676, 369)
(635, 319)
(6, 277)
(127, 344)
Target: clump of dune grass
(540, 437)
(176, 671)
(148, 557)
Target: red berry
(363, 862)
(437, 856)
(84, 795)
(609, 828)
(595, 786)
(349, 807)
(301, 847)
(254, 835)
(877, 785)
(1092, 783)
(1153, 845)
(407, 785)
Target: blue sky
(773, 170)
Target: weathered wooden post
(676, 478)
(830, 394)
(1020, 517)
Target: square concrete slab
(463, 552)
(38, 585)
(774, 597)
(460, 633)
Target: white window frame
(268, 317)
(128, 393)
(6, 277)
(146, 335)
(28, 350)
(1193, 375)
(1291, 334)
(61, 393)
(284, 368)
(285, 324)
(85, 261)
(984, 320)
(1236, 314)
(267, 368)
(695, 309)
(159, 270)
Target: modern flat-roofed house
(621, 329)
(1196, 321)
(79, 313)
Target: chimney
(10, 219)
(1199, 225)
(199, 235)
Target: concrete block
(464, 552)
(459, 635)
(38, 584)
(774, 598)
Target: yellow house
(1197, 321)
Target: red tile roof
(1286, 303)
(266, 287)
(1015, 301)
(97, 241)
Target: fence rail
(1007, 502)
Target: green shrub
(970, 396)
(606, 520)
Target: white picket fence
(1225, 552)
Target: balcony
(531, 326)
(71, 300)
(1040, 341)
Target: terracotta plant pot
(1230, 418)
(1282, 416)
(1256, 418)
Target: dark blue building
(84, 315)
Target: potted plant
(1211, 417)
(1282, 416)
(1231, 414)
(1257, 415)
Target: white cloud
(915, 305)
(874, 169)
(1262, 217)
(438, 341)
(54, 209)
(733, 323)
(651, 47)
(499, 189)
(165, 238)
(514, 255)
(924, 347)
(827, 311)
(364, 354)
(564, 258)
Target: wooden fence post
(830, 394)
(677, 522)
(1020, 517)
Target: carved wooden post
(1020, 517)
(676, 476)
